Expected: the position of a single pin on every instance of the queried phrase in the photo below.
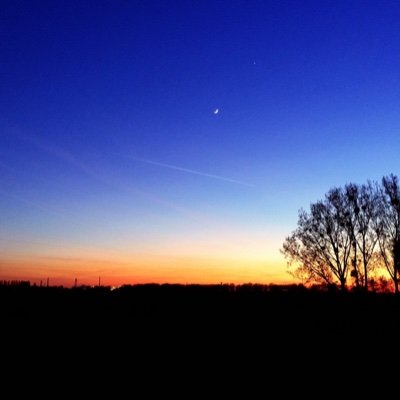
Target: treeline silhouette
(270, 310)
(192, 331)
(14, 282)
(350, 238)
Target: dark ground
(198, 312)
(155, 329)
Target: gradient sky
(113, 161)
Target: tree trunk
(365, 275)
(396, 264)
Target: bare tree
(354, 230)
(360, 216)
(388, 227)
(321, 246)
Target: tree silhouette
(353, 231)
(321, 246)
(388, 227)
(360, 216)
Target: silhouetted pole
(47, 284)
(76, 282)
(99, 281)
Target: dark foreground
(196, 311)
(158, 328)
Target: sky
(175, 141)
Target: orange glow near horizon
(143, 269)
(209, 258)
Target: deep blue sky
(95, 96)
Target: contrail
(190, 171)
(73, 161)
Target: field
(256, 311)
(196, 334)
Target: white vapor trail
(190, 171)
